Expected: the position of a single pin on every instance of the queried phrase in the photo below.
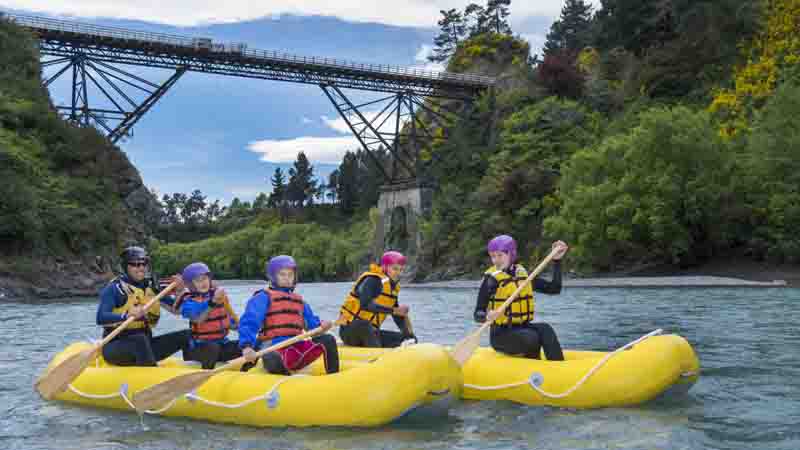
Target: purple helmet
(504, 243)
(193, 271)
(280, 262)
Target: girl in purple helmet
(514, 332)
(278, 313)
(211, 317)
(373, 298)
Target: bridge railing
(206, 44)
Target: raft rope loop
(271, 397)
(536, 378)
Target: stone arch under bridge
(400, 208)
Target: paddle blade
(160, 394)
(56, 380)
(463, 351)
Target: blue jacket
(255, 313)
(192, 310)
(112, 297)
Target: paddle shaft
(516, 293)
(131, 319)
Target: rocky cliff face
(69, 199)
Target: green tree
(770, 176)
(261, 202)
(171, 208)
(278, 195)
(572, 31)
(496, 14)
(333, 186)
(654, 193)
(635, 25)
(214, 211)
(302, 185)
(453, 28)
(475, 19)
(347, 183)
(193, 207)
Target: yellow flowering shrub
(775, 47)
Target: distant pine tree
(453, 28)
(572, 31)
(496, 16)
(278, 194)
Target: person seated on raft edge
(514, 332)
(374, 296)
(277, 313)
(124, 297)
(211, 317)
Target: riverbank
(728, 271)
(625, 282)
(24, 279)
(57, 279)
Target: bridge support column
(400, 208)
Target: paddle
(161, 393)
(56, 380)
(467, 346)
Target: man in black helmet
(125, 297)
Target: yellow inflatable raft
(653, 365)
(640, 371)
(408, 379)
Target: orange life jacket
(284, 317)
(217, 323)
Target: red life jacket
(217, 323)
(284, 317)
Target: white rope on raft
(533, 383)
(194, 397)
(190, 396)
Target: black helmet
(132, 254)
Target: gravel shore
(623, 282)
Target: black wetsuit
(208, 354)
(362, 333)
(526, 339)
(135, 347)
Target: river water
(748, 396)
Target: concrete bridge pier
(400, 208)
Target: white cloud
(306, 120)
(325, 150)
(338, 124)
(536, 41)
(424, 51)
(420, 13)
(430, 67)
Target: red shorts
(300, 354)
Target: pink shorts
(300, 354)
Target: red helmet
(392, 257)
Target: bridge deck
(65, 38)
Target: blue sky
(226, 135)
